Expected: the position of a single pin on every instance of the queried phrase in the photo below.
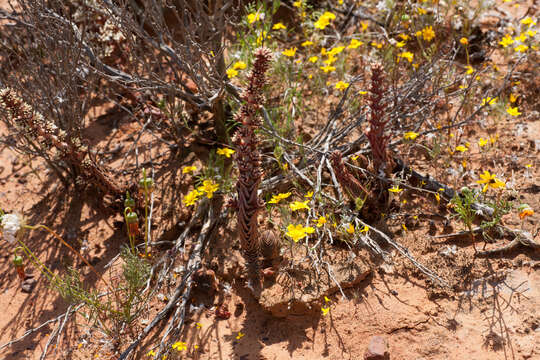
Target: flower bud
(19, 266)
(132, 221)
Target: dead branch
(405, 252)
(522, 237)
(36, 329)
(185, 285)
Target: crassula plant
(248, 161)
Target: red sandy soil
(496, 317)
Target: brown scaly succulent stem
(34, 126)
(375, 135)
(348, 182)
(248, 160)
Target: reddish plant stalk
(375, 135)
(248, 160)
(348, 182)
(34, 126)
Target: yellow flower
(277, 198)
(299, 205)
(513, 98)
(335, 50)
(209, 188)
(313, 59)
(354, 44)
(240, 335)
(324, 20)
(355, 157)
(521, 38)
(528, 21)
(400, 44)
(404, 37)
(328, 68)
(321, 221)
(506, 40)
(151, 353)
(289, 52)
(297, 4)
(395, 189)
(307, 43)
(309, 195)
(404, 227)
(340, 85)
(263, 35)
(461, 148)
(407, 55)
(231, 73)
(421, 11)
(438, 197)
(428, 33)
(326, 299)
(325, 310)
(365, 229)
(489, 100)
(482, 142)
(470, 69)
(179, 346)
(362, 92)
(331, 59)
(410, 135)
(489, 180)
(363, 26)
(239, 65)
(350, 229)
(198, 325)
(513, 111)
(188, 169)
(278, 26)
(191, 197)
(464, 41)
(298, 232)
(531, 33)
(376, 44)
(521, 48)
(251, 18)
(321, 23)
(225, 152)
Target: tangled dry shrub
(34, 129)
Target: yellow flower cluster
(208, 188)
(233, 71)
(324, 20)
(298, 232)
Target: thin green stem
(57, 237)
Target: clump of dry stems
(34, 128)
